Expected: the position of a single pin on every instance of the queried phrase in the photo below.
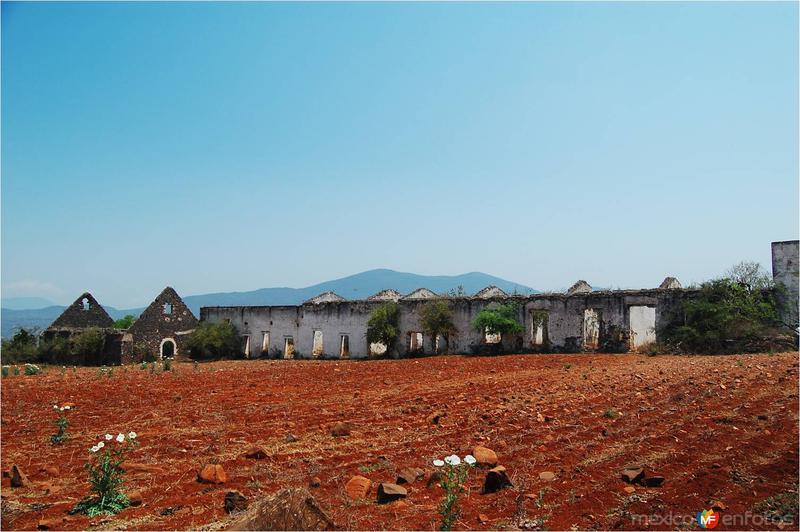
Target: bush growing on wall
(214, 340)
(726, 316)
(124, 322)
(382, 325)
(436, 318)
(498, 319)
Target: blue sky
(220, 147)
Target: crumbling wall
(563, 325)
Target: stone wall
(785, 274)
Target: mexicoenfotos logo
(707, 518)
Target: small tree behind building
(499, 319)
(382, 325)
(214, 340)
(436, 318)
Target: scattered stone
(18, 478)
(340, 429)
(288, 509)
(257, 453)
(408, 475)
(235, 502)
(290, 438)
(53, 471)
(718, 505)
(496, 479)
(358, 487)
(434, 479)
(315, 482)
(632, 475)
(547, 475)
(483, 518)
(484, 456)
(53, 523)
(653, 481)
(388, 492)
(629, 489)
(436, 417)
(212, 474)
(135, 498)
(132, 467)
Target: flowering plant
(453, 477)
(62, 423)
(105, 476)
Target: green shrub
(106, 477)
(32, 369)
(725, 316)
(382, 325)
(6, 370)
(88, 345)
(214, 340)
(166, 364)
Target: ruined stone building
(160, 329)
(329, 326)
(158, 332)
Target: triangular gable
(421, 293)
(581, 287)
(167, 310)
(325, 297)
(386, 295)
(85, 312)
(490, 292)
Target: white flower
(100, 445)
(95, 448)
(438, 463)
(108, 437)
(67, 407)
(55, 407)
(470, 459)
(120, 438)
(131, 435)
(61, 409)
(453, 460)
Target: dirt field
(717, 428)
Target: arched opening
(168, 348)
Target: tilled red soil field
(721, 429)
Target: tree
(21, 347)
(125, 322)
(214, 340)
(750, 274)
(498, 319)
(436, 318)
(382, 325)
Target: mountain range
(20, 312)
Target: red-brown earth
(717, 428)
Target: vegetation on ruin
(382, 325)
(736, 313)
(436, 318)
(502, 319)
(213, 340)
(124, 322)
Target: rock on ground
(288, 509)
(358, 487)
(388, 492)
(496, 479)
(484, 456)
(212, 474)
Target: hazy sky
(220, 147)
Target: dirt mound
(289, 509)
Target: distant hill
(358, 286)
(25, 303)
